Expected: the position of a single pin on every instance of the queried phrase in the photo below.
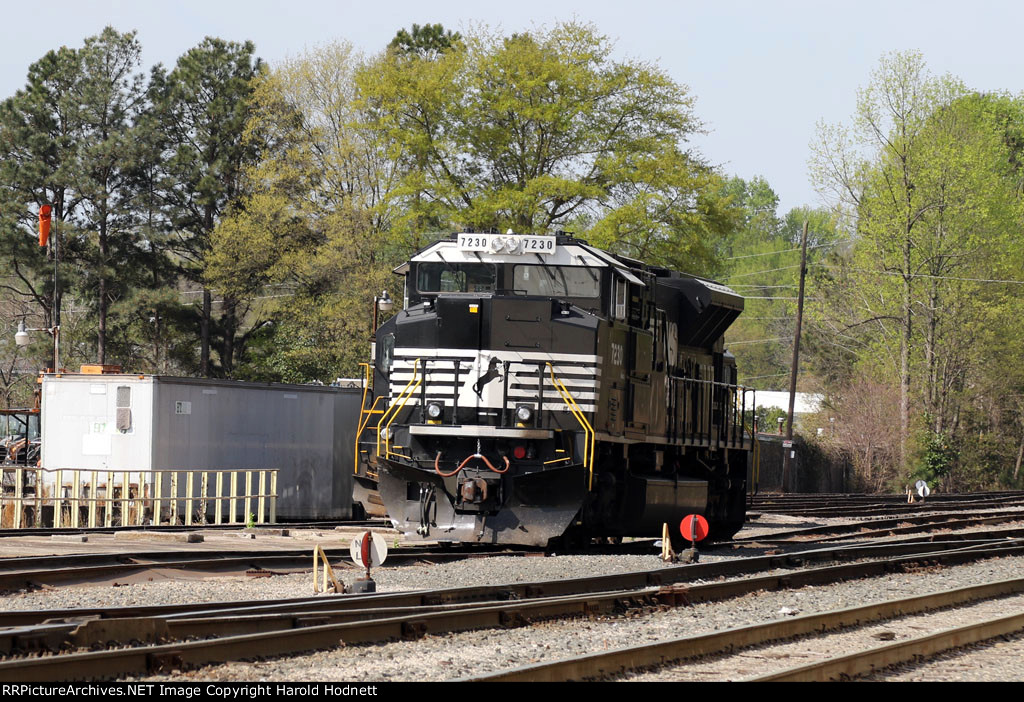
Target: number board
(507, 243)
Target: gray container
(146, 422)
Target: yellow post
(93, 484)
(202, 502)
(76, 488)
(108, 511)
(220, 493)
(248, 495)
(174, 498)
(316, 564)
(188, 498)
(318, 554)
(142, 496)
(273, 497)
(125, 487)
(327, 565)
(261, 501)
(39, 497)
(18, 472)
(158, 487)
(233, 502)
(58, 495)
(667, 553)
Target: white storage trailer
(126, 422)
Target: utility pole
(787, 450)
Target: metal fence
(90, 498)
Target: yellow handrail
(588, 440)
(367, 413)
(360, 425)
(402, 398)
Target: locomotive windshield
(455, 277)
(556, 281)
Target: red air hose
(437, 466)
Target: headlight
(524, 413)
(434, 410)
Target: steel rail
(837, 499)
(875, 510)
(623, 581)
(146, 659)
(166, 528)
(236, 560)
(869, 660)
(881, 527)
(300, 636)
(606, 664)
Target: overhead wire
(772, 253)
(923, 275)
(769, 270)
(758, 341)
(755, 285)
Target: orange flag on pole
(44, 224)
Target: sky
(763, 73)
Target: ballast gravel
(447, 657)
(453, 656)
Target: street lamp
(23, 338)
(385, 304)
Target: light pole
(385, 304)
(23, 338)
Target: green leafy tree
(311, 244)
(38, 128)
(201, 108)
(108, 98)
(930, 201)
(66, 141)
(543, 130)
(761, 261)
(426, 42)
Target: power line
(755, 285)
(772, 253)
(769, 270)
(924, 275)
(745, 297)
(757, 341)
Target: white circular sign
(376, 550)
(922, 488)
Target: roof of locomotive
(568, 251)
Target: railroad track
(312, 526)
(32, 571)
(729, 644)
(874, 528)
(202, 634)
(861, 506)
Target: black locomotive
(535, 388)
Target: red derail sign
(694, 528)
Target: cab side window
(619, 292)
